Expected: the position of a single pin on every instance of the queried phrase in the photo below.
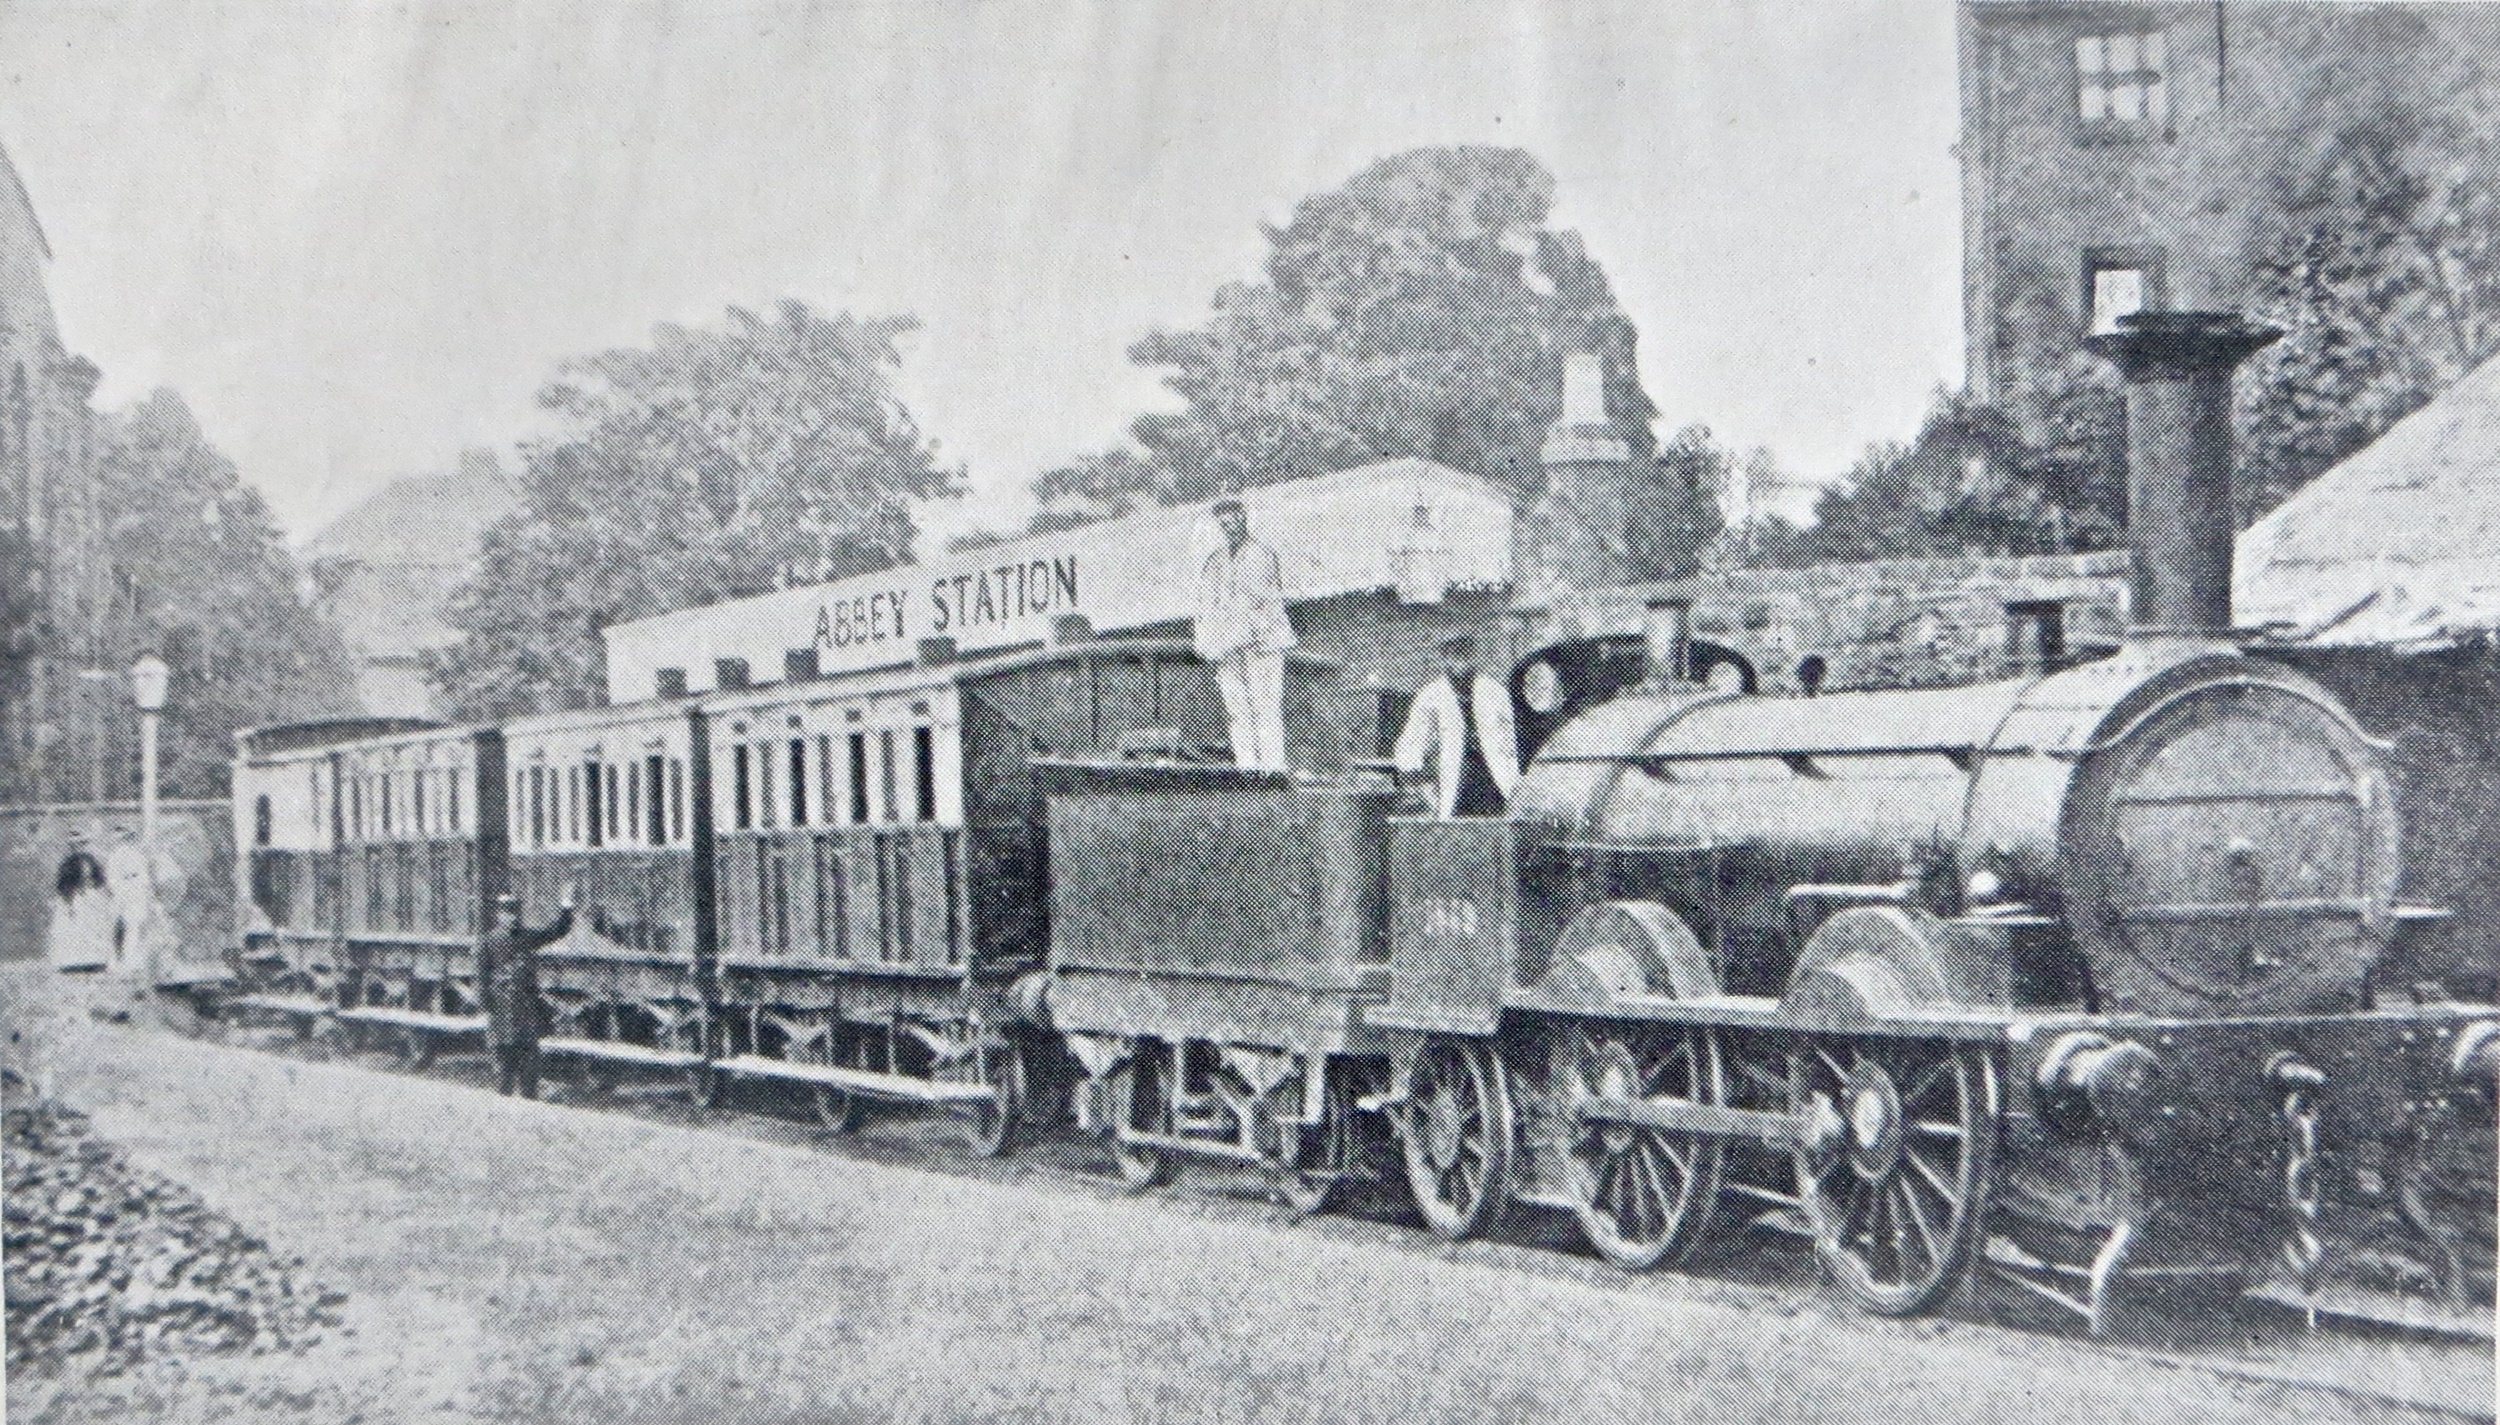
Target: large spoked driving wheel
(1643, 1195)
(1456, 1136)
(1895, 1175)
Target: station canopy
(2396, 548)
(1409, 526)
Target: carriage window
(676, 799)
(764, 782)
(451, 800)
(742, 791)
(654, 771)
(262, 822)
(538, 806)
(859, 779)
(825, 810)
(573, 800)
(633, 801)
(798, 781)
(356, 807)
(598, 806)
(885, 775)
(385, 781)
(924, 772)
(422, 778)
(615, 807)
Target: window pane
(2122, 54)
(2116, 292)
(2154, 51)
(798, 781)
(2157, 101)
(2090, 55)
(2093, 103)
(2126, 103)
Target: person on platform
(1243, 629)
(1459, 728)
(508, 979)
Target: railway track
(1763, 1272)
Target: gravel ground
(507, 1261)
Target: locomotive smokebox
(2178, 367)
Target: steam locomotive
(2069, 982)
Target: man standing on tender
(1243, 629)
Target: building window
(2121, 83)
(2119, 283)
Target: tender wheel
(1895, 1178)
(1137, 1087)
(992, 1126)
(1456, 1136)
(1643, 1195)
(1316, 1158)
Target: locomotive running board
(622, 1053)
(861, 1081)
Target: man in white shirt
(1460, 727)
(1242, 628)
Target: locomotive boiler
(2082, 976)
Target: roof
(419, 519)
(1335, 534)
(2399, 546)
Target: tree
(1422, 309)
(1671, 526)
(198, 571)
(718, 462)
(1100, 486)
(1969, 482)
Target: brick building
(2123, 155)
(51, 720)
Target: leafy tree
(1422, 309)
(1101, 486)
(1969, 482)
(199, 572)
(1673, 524)
(718, 462)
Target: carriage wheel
(1643, 1195)
(1456, 1136)
(1137, 1088)
(704, 1081)
(992, 1125)
(415, 1049)
(837, 1109)
(1896, 1184)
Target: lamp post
(148, 678)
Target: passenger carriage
(370, 847)
(882, 869)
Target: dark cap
(1229, 502)
(1459, 643)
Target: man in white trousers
(1242, 628)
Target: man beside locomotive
(1243, 629)
(1460, 727)
(508, 979)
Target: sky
(358, 237)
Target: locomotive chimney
(1668, 631)
(2035, 635)
(2178, 367)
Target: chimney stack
(1668, 632)
(2178, 367)
(729, 674)
(1588, 477)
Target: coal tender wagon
(2091, 976)
(368, 848)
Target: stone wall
(194, 877)
(1901, 623)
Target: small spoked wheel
(1314, 1158)
(1136, 1093)
(1643, 1195)
(1455, 1134)
(991, 1124)
(1895, 1174)
(414, 1049)
(838, 1109)
(703, 1084)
